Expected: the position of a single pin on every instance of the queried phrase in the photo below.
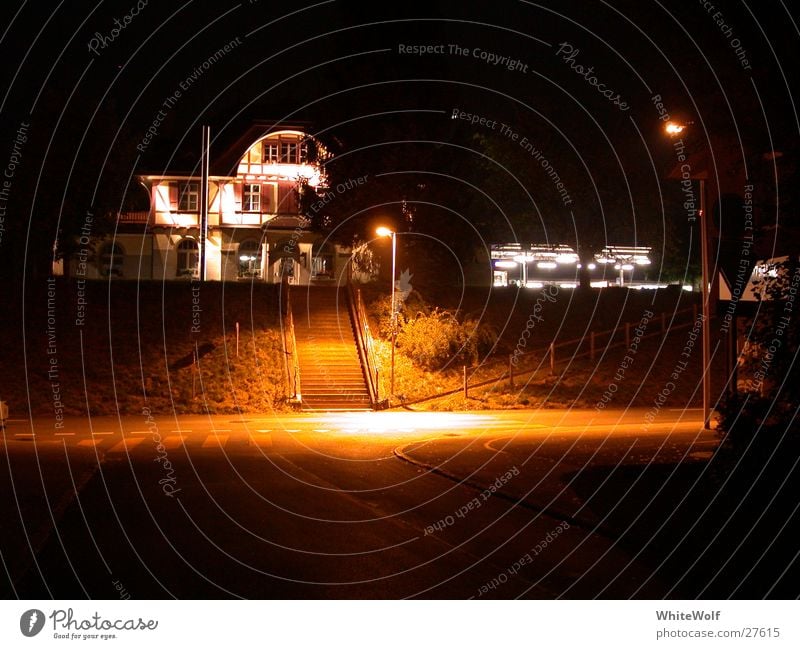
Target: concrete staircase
(331, 376)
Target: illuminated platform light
(626, 267)
(568, 285)
(505, 264)
(534, 285)
(546, 264)
(591, 266)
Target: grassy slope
(134, 337)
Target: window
(251, 198)
(188, 197)
(250, 258)
(290, 152)
(109, 260)
(270, 152)
(188, 259)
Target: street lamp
(386, 232)
(672, 129)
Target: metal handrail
(290, 349)
(365, 343)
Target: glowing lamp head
(673, 128)
(384, 232)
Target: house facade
(255, 230)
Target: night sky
(588, 85)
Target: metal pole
(552, 358)
(466, 390)
(204, 200)
(706, 304)
(237, 340)
(511, 371)
(394, 313)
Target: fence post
(552, 358)
(511, 371)
(591, 345)
(627, 335)
(466, 387)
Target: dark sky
(87, 87)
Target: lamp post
(672, 129)
(386, 232)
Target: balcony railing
(134, 217)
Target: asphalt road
(545, 504)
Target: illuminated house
(255, 230)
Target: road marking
(89, 442)
(104, 433)
(216, 441)
(25, 435)
(63, 433)
(139, 432)
(263, 430)
(126, 445)
(173, 441)
(221, 430)
(262, 441)
(292, 430)
(185, 430)
(322, 430)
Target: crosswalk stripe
(262, 441)
(126, 445)
(218, 441)
(174, 441)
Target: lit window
(188, 259)
(290, 152)
(270, 152)
(250, 258)
(109, 259)
(188, 197)
(251, 198)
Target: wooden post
(466, 387)
(552, 358)
(237, 340)
(511, 371)
(627, 335)
(591, 345)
